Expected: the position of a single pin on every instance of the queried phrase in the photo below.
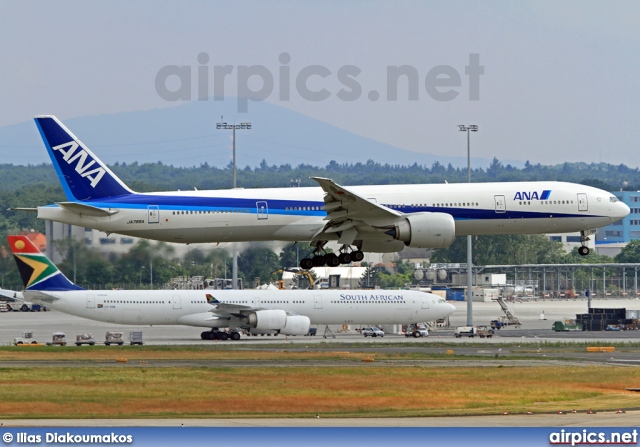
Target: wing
(348, 213)
(226, 310)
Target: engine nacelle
(381, 246)
(268, 319)
(425, 230)
(296, 325)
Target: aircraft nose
(623, 209)
(450, 309)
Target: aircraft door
(154, 214)
(262, 210)
(583, 205)
(91, 301)
(317, 301)
(177, 302)
(425, 303)
(501, 204)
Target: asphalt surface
(530, 339)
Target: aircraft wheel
(224, 336)
(357, 256)
(345, 258)
(306, 263)
(332, 260)
(235, 336)
(319, 261)
(584, 251)
(24, 308)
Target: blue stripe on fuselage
(293, 207)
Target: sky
(545, 81)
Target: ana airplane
(287, 312)
(383, 218)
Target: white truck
(466, 331)
(417, 331)
(26, 339)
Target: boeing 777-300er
(287, 312)
(378, 218)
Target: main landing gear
(583, 250)
(345, 256)
(215, 334)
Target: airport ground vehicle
(372, 332)
(58, 339)
(466, 331)
(417, 331)
(26, 339)
(85, 339)
(567, 325)
(135, 338)
(113, 338)
(24, 306)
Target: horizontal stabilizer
(32, 210)
(86, 210)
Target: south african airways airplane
(286, 312)
(376, 218)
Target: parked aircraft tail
(36, 270)
(82, 174)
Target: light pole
(233, 127)
(468, 129)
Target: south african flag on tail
(36, 270)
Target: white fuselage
(296, 214)
(190, 307)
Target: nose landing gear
(583, 250)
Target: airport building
(612, 238)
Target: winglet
(211, 299)
(36, 270)
(82, 174)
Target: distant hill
(185, 135)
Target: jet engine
(296, 325)
(268, 319)
(425, 230)
(277, 321)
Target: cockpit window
(613, 199)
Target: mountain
(186, 135)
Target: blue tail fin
(82, 174)
(36, 270)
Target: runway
(536, 317)
(599, 419)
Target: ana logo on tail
(70, 156)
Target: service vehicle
(372, 332)
(417, 331)
(58, 339)
(113, 338)
(85, 339)
(26, 339)
(466, 331)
